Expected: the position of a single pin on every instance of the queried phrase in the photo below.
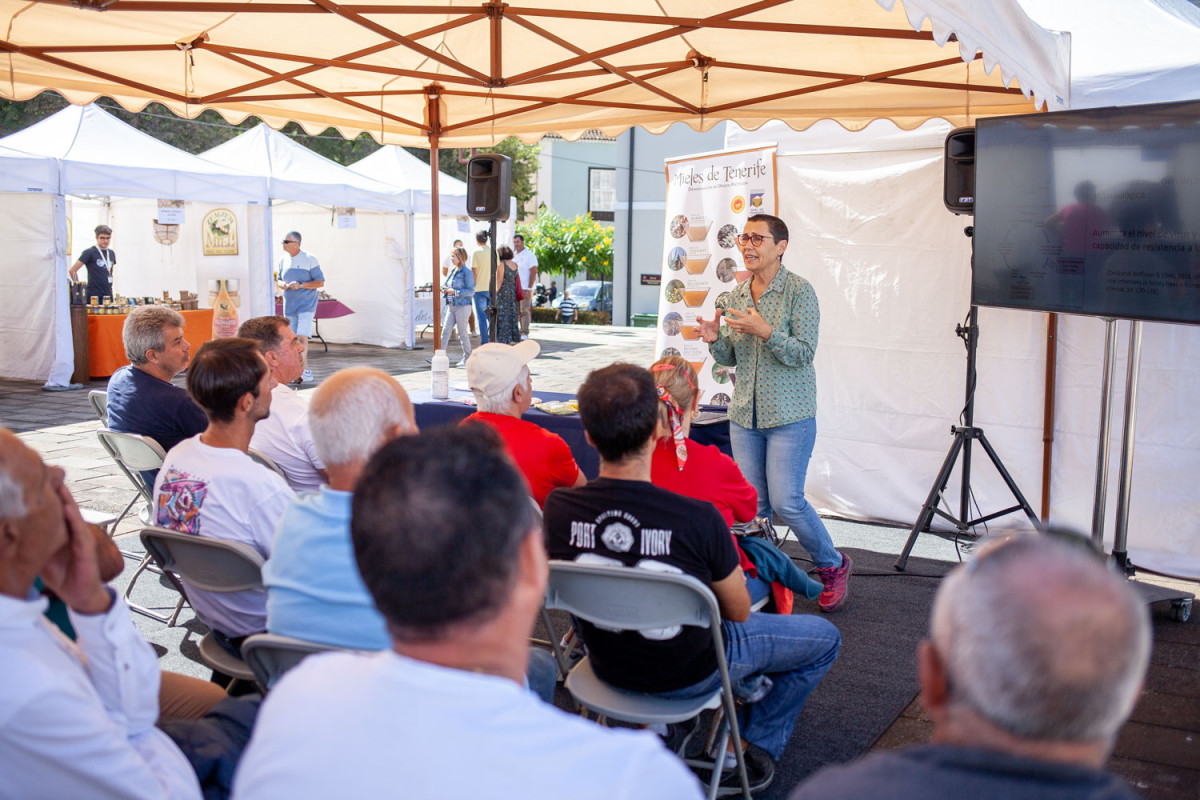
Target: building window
(602, 193)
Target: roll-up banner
(709, 198)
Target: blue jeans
(775, 462)
(541, 676)
(794, 651)
(482, 299)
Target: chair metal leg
(169, 619)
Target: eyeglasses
(754, 238)
(289, 241)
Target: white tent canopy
(395, 166)
(294, 172)
(82, 151)
(100, 155)
(25, 172)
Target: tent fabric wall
(366, 267)
(27, 284)
(892, 270)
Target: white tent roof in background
(296, 173)
(402, 170)
(101, 155)
(25, 172)
(1127, 52)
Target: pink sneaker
(837, 586)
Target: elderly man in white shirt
(76, 718)
(284, 437)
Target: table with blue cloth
(431, 413)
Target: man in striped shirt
(566, 309)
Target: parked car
(589, 296)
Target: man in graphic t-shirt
(621, 518)
(99, 260)
(209, 486)
(300, 277)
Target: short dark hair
(103, 229)
(481, 237)
(619, 408)
(504, 253)
(264, 330)
(222, 372)
(777, 226)
(518, 236)
(437, 522)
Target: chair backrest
(266, 461)
(99, 400)
(213, 565)
(135, 453)
(271, 655)
(630, 599)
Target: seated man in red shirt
(499, 376)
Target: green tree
(570, 247)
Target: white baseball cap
(492, 367)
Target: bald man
(1035, 659)
(314, 591)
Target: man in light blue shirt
(314, 591)
(300, 277)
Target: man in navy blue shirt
(141, 397)
(99, 261)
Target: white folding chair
(212, 565)
(270, 655)
(266, 461)
(134, 455)
(99, 400)
(625, 598)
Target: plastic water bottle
(440, 387)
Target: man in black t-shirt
(99, 260)
(621, 518)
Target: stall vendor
(99, 260)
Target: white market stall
(367, 266)
(106, 171)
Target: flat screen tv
(1094, 212)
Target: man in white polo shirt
(284, 437)
(527, 267)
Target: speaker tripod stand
(964, 436)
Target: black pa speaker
(489, 186)
(959, 187)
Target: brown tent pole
(1048, 412)
(433, 111)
